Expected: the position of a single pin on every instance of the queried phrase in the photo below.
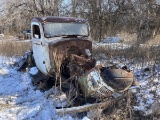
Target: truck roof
(58, 19)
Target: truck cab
(56, 39)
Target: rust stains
(64, 48)
(58, 19)
(118, 79)
(82, 61)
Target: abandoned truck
(62, 52)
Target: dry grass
(154, 41)
(128, 38)
(6, 106)
(14, 48)
(142, 54)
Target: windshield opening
(62, 29)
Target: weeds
(145, 55)
(145, 59)
(14, 48)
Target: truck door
(38, 47)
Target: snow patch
(4, 71)
(33, 71)
(112, 40)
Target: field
(19, 99)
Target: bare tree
(18, 14)
(106, 17)
(148, 20)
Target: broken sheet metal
(65, 48)
(85, 63)
(118, 79)
(102, 83)
(92, 85)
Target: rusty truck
(62, 52)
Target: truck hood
(62, 48)
(59, 40)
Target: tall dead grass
(142, 54)
(14, 48)
(144, 57)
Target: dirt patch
(6, 106)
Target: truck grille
(103, 92)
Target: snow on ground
(112, 39)
(148, 75)
(150, 90)
(112, 43)
(111, 46)
(19, 100)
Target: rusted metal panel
(58, 19)
(65, 47)
(85, 63)
(118, 79)
(80, 64)
(92, 85)
(102, 84)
